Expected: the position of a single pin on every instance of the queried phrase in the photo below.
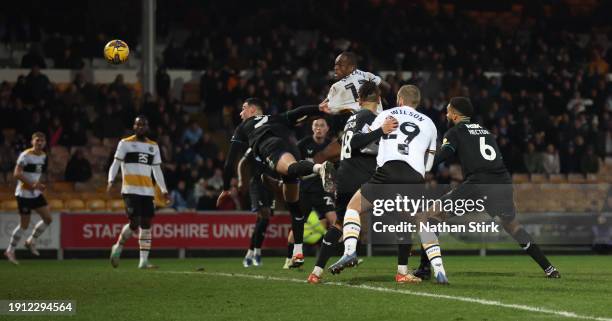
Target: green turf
(126, 293)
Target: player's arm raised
(237, 147)
(302, 113)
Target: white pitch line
(566, 314)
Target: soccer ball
(116, 52)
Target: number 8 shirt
(138, 159)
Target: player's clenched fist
(389, 125)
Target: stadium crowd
(540, 87)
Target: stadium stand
(537, 78)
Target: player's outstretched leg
(144, 243)
(40, 227)
(289, 255)
(350, 232)
(424, 270)
(429, 240)
(126, 233)
(527, 243)
(403, 252)
(15, 238)
(260, 233)
(328, 246)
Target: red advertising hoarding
(230, 230)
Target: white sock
(126, 233)
(15, 238)
(144, 241)
(39, 228)
(297, 249)
(257, 251)
(435, 257)
(317, 168)
(249, 253)
(402, 269)
(350, 231)
(318, 271)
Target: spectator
(208, 201)
(37, 86)
(216, 181)
(551, 161)
(7, 160)
(570, 161)
(179, 197)
(533, 160)
(192, 134)
(33, 58)
(602, 236)
(232, 202)
(589, 163)
(78, 169)
(56, 131)
(162, 83)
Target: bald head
(409, 95)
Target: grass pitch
(482, 288)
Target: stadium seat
(116, 205)
(575, 178)
(62, 187)
(520, 178)
(538, 178)
(75, 205)
(96, 205)
(557, 178)
(56, 204)
(10, 205)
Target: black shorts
(321, 202)
(139, 205)
(271, 149)
(260, 196)
(384, 184)
(498, 199)
(342, 200)
(26, 205)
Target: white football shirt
(138, 159)
(410, 142)
(33, 165)
(344, 94)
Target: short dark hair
(258, 103)
(369, 91)
(462, 105)
(350, 57)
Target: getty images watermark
(404, 207)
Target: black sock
(260, 232)
(527, 243)
(297, 221)
(300, 168)
(424, 258)
(289, 250)
(329, 245)
(403, 252)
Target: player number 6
(487, 151)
